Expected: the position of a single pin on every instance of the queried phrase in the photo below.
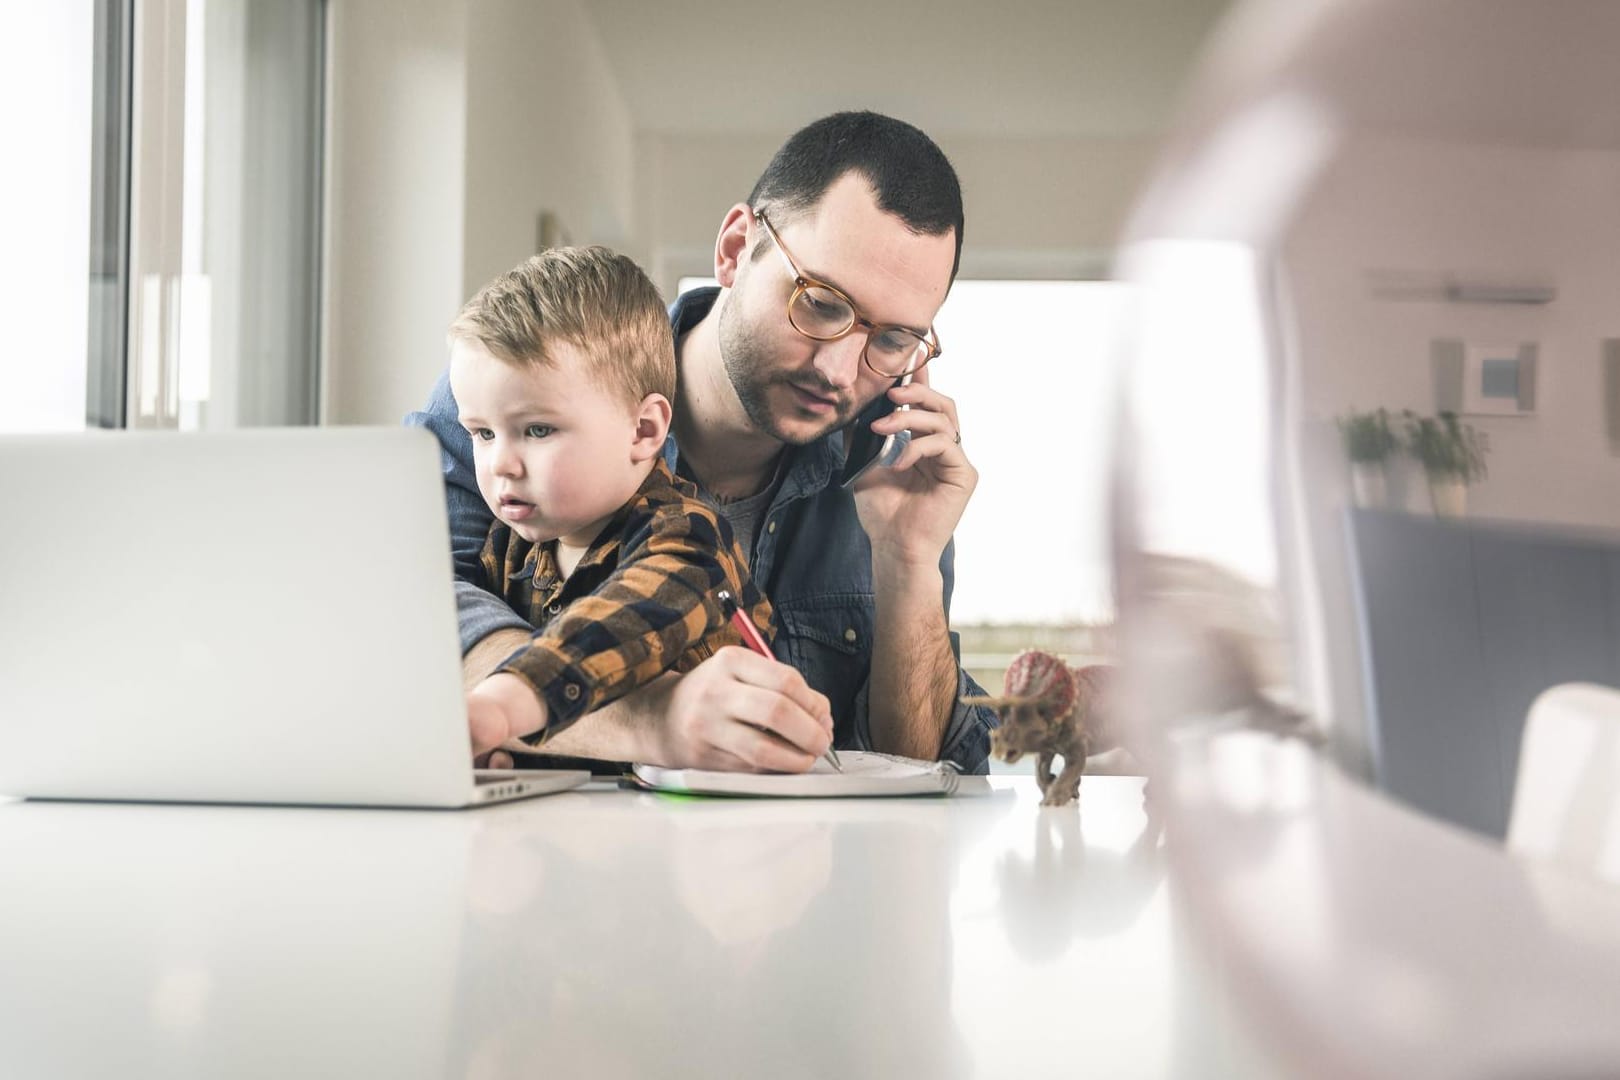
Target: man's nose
(839, 362)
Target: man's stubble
(746, 353)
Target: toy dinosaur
(1055, 711)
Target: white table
(1373, 941)
(609, 933)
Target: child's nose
(508, 462)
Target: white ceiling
(1039, 68)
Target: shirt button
(850, 635)
(770, 526)
(571, 692)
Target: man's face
(551, 444)
(795, 389)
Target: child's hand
(500, 709)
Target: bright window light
(1031, 367)
(46, 74)
(1199, 389)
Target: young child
(563, 370)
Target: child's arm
(657, 604)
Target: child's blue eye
(538, 431)
(482, 434)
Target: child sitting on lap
(563, 370)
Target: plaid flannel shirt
(641, 601)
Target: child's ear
(731, 246)
(652, 427)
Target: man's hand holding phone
(910, 509)
(869, 449)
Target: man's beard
(746, 357)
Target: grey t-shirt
(745, 514)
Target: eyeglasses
(823, 313)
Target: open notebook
(866, 773)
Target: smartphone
(867, 449)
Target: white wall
(1493, 212)
(1046, 207)
(547, 129)
(451, 125)
(454, 123)
(395, 199)
(1035, 207)
(684, 186)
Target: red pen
(755, 641)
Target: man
(830, 277)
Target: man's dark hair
(911, 175)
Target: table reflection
(228, 941)
(603, 931)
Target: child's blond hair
(592, 298)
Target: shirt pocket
(829, 640)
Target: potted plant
(1369, 443)
(1452, 454)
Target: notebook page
(872, 763)
(865, 774)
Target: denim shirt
(811, 557)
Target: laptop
(260, 616)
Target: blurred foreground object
(1400, 210)
(1566, 804)
(1471, 150)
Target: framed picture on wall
(1499, 380)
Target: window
(47, 79)
(162, 242)
(224, 251)
(1030, 365)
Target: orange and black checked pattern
(641, 601)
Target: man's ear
(731, 246)
(652, 427)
